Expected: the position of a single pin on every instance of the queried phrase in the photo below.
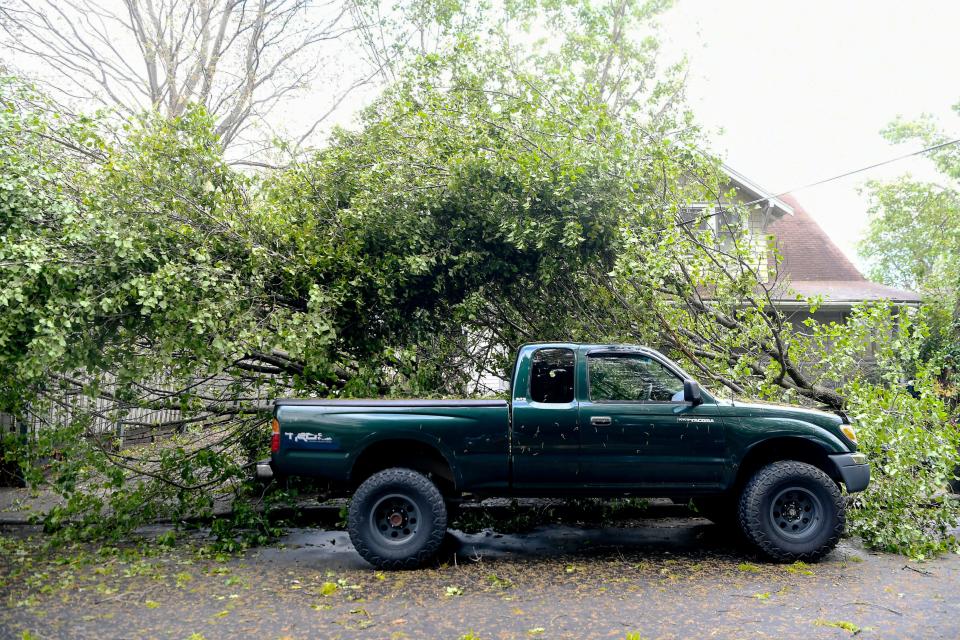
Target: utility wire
(719, 210)
(872, 166)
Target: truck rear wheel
(792, 511)
(397, 519)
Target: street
(665, 578)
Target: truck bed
(325, 438)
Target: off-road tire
(424, 537)
(770, 530)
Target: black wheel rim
(395, 518)
(796, 512)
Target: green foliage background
(913, 240)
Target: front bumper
(854, 470)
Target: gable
(812, 264)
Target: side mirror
(691, 392)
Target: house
(811, 263)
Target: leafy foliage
(914, 233)
(905, 426)
(911, 421)
(913, 240)
(146, 279)
(913, 445)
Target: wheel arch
(776, 449)
(409, 452)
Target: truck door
(546, 441)
(637, 431)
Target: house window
(699, 216)
(724, 225)
(721, 223)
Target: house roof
(757, 193)
(849, 292)
(814, 265)
(808, 252)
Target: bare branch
(238, 58)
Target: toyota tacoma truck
(582, 420)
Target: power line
(941, 145)
(872, 166)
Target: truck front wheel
(397, 519)
(792, 511)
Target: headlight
(848, 431)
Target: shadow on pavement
(677, 537)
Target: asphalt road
(671, 578)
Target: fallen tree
(491, 196)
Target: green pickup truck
(583, 420)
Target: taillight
(275, 438)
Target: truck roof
(592, 345)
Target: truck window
(631, 378)
(551, 375)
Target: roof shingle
(808, 252)
(814, 265)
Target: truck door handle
(601, 421)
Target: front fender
(753, 431)
(756, 439)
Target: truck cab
(612, 418)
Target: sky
(795, 92)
